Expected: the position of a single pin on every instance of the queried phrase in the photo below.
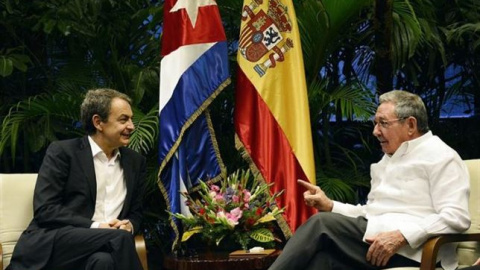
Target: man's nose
(130, 125)
(376, 130)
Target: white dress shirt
(421, 190)
(111, 188)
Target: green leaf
(186, 235)
(49, 26)
(8, 6)
(219, 239)
(6, 66)
(262, 235)
(267, 218)
(20, 61)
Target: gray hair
(98, 101)
(408, 104)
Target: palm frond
(464, 33)
(336, 188)
(43, 118)
(146, 130)
(406, 32)
(353, 99)
(321, 25)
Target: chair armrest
(141, 250)
(431, 247)
(1, 257)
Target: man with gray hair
(88, 196)
(419, 189)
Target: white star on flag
(191, 7)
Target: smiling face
(115, 131)
(396, 131)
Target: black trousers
(330, 241)
(84, 248)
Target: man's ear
(412, 125)
(97, 122)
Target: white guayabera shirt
(421, 190)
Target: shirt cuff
(95, 225)
(340, 208)
(414, 234)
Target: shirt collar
(408, 146)
(97, 150)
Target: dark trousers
(89, 249)
(330, 241)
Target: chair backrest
(16, 209)
(468, 252)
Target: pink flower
(215, 188)
(234, 216)
(227, 218)
(219, 198)
(246, 196)
(235, 198)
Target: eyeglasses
(386, 123)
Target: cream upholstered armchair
(469, 242)
(16, 212)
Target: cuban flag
(193, 71)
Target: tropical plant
(40, 120)
(90, 44)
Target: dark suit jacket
(65, 195)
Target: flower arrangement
(240, 207)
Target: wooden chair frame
(141, 248)
(432, 246)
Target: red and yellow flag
(272, 120)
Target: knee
(323, 219)
(125, 236)
(324, 222)
(100, 260)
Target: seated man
(420, 188)
(88, 196)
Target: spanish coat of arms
(263, 34)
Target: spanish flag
(272, 120)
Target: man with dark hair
(88, 195)
(419, 189)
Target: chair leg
(141, 250)
(1, 257)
